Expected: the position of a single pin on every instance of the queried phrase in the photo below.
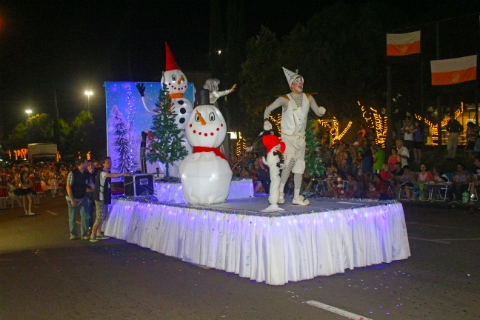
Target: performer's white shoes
(281, 199)
(272, 208)
(301, 201)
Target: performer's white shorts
(294, 149)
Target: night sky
(74, 45)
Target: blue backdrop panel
(127, 118)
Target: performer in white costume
(212, 86)
(295, 107)
(274, 148)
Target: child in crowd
(372, 191)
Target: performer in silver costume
(295, 107)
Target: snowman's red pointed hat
(170, 64)
(271, 140)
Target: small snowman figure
(274, 147)
(177, 84)
(205, 174)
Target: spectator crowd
(363, 169)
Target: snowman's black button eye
(174, 78)
(196, 118)
(211, 116)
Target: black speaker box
(138, 185)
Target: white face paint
(297, 85)
(176, 81)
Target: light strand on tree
(334, 128)
(377, 122)
(241, 146)
(456, 114)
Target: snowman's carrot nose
(180, 79)
(202, 121)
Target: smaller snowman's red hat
(171, 64)
(271, 140)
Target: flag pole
(439, 101)
(476, 78)
(422, 100)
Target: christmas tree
(166, 145)
(122, 142)
(314, 164)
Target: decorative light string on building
(434, 127)
(377, 122)
(18, 154)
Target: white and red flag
(454, 71)
(403, 44)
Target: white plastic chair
(442, 192)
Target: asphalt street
(44, 275)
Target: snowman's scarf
(208, 149)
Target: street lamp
(88, 93)
(28, 112)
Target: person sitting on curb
(406, 183)
(424, 179)
(352, 187)
(460, 183)
(475, 181)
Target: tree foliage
(78, 136)
(314, 164)
(340, 53)
(82, 133)
(37, 129)
(166, 145)
(261, 78)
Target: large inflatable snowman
(205, 173)
(177, 84)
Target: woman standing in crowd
(25, 191)
(417, 142)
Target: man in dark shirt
(454, 128)
(76, 199)
(397, 174)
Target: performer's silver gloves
(267, 126)
(321, 111)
